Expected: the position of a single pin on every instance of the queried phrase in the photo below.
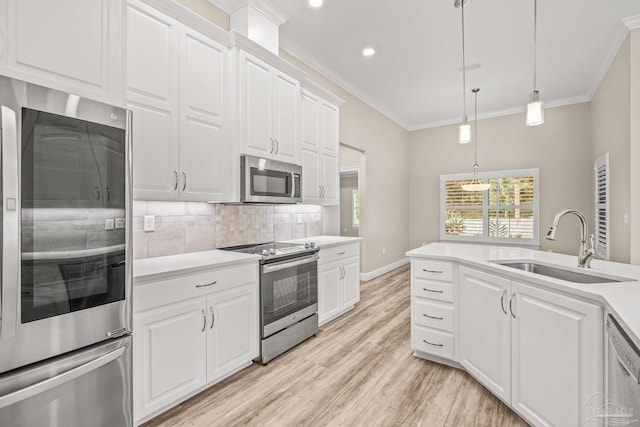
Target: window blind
(601, 197)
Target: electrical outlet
(109, 224)
(149, 223)
(120, 223)
(299, 218)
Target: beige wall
(634, 60)
(610, 129)
(561, 149)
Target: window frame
(355, 208)
(485, 238)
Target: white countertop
(150, 268)
(325, 241)
(622, 298)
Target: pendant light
(535, 108)
(464, 131)
(475, 184)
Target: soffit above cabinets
(415, 76)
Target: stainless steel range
(288, 294)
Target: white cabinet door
(256, 106)
(330, 131)
(311, 175)
(485, 329)
(285, 117)
(169, 355)
(351, 282)
(72, 45)
(310, 120)
(233, 330)
(329, 292)
(204, 148)
(557, 356)
(152, 95)
(330, 180)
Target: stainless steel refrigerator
(65, 291)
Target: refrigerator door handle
(65, 377)
(10, 232)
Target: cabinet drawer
(433, 342)
(440, 291)
(181, 288)
(428, 269)
(336, 253)
(433, 315)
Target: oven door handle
(270, 268)
(9, 295)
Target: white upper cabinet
(268, 110)
(320, 140)
(74, 45)
(177, 90)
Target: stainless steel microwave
(269, 181)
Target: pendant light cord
(475, 129)
(464, 69)
(535, 33)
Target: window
(507, 213)
(601, 241)
(355, 208)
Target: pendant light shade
(535, 108)
(475, 184)
(464, 131)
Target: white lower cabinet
(191, 332)
(539, 351)
(338, 280)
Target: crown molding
(312, 62)
(266, 7)
(318, 90)
(632, 22)
(500, 113)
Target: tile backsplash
(183, 227)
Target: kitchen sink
(561, 273)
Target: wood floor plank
(358, 371)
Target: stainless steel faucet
(586, 251)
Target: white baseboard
(385, 269)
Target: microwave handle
(293, 185)
(10, 232)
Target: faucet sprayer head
(551, 234)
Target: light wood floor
(358, 371)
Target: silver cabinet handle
(432, 290)
(510, 305)
(324, 192)
(9, 295)
(433, 271)
(213, 317)
(108, 193)
(277, 145)
(208, 284)
(504, 294)
(184, 184)
(430, 343)
(175, 176)
(65, 377)
(271, 145)
(319, 191)
(432, 317)
(344, 273)
(98, 193)
(204, 319)
(341, 253)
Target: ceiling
(415, 78)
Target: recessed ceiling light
(368, 51)
(316, 3)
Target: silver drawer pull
(432, 271)
(341, 253)
(432, 290)
(430, 343)
(208, 284)
(432, 317)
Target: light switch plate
(109, 224)
(149, 223)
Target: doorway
(351, 190)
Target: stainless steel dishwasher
(622, 404)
